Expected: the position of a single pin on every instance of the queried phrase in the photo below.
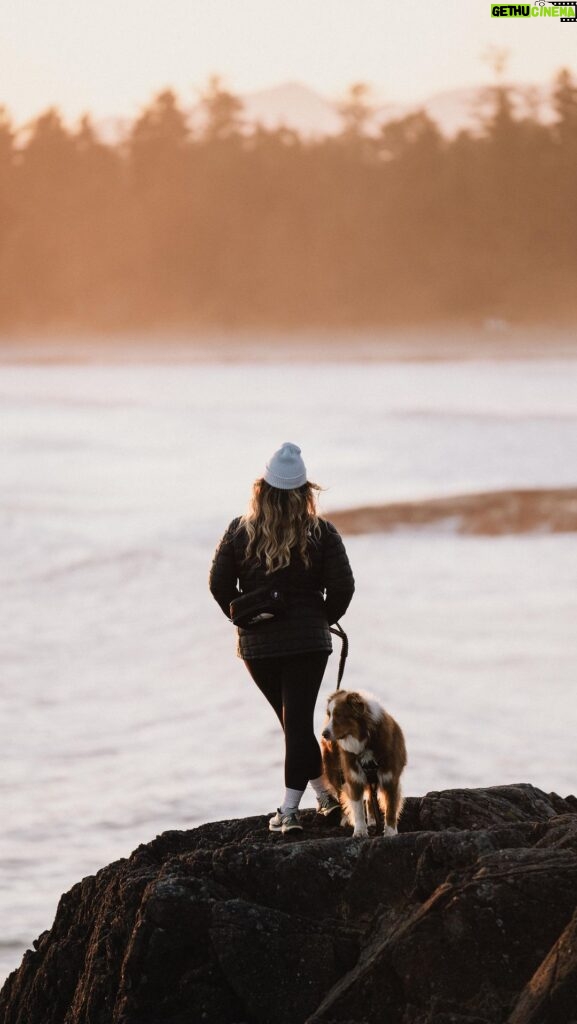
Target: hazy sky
(110, 56)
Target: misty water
(124, 711)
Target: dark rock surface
(467, 917)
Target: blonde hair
(279, 521)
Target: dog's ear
(356, 703)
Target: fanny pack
(258, 606)
(269, 603)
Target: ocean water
(123, 709)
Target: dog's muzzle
(326, 734)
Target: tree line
(174, 226)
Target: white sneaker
(329, 807)
(285, 822)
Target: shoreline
(434, 344)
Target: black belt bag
(259, 605)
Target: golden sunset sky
(110, 56)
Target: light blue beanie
(286, 468)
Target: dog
(359, 733)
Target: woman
(282, 541)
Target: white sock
(292, 798)
(319, 785)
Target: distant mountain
(297, 106)
(294, 106)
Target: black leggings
(291, 684)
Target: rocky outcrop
(489, 513)
(467, 917)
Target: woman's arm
(338, 578)
(223, 577)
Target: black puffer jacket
(318, 596)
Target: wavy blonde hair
(279, 521)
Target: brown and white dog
(357, 733)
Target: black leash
(338, 630)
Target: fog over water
(124, 711)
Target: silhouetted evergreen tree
(356, 112)
(100, 249)
(222, 111)
(565, 105)
(563, 207)
(159, 202)
(44, 246)
(8, 216)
